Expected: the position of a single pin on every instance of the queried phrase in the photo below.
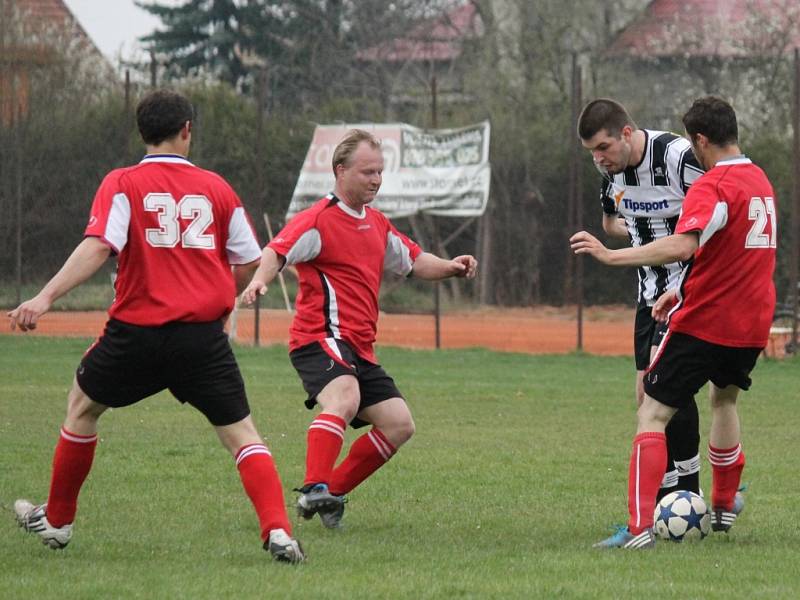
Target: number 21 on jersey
(168, 233)
(764, 231)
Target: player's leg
(392, 426)
(382, 406)
(328, 372)
(339, 400)
(683, 442)
(263, 486)
(726, 457)
(72, 461)
(683, 436)
(678, 370)
(732, 373)
(112, 373)
(647, 334)
(646, 467)
(203, 372)
(647, 463)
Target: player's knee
(82, 411)
(400, 431)
(653, 416)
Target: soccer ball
(682, 516)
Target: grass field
(518, 466)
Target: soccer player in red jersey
(184, 249)
(719, 316)
(341, 247)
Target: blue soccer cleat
(623, 538)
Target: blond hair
(348, 145)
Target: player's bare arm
(242, 274)
(669, 249)
(614, 226)
(431, 267)
(84, 262)
(664, 304)
(267, 270)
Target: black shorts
(194, 361)
(647, 332)
(319, 363)
(685, 363)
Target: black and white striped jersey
(649, 197)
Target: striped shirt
(649, 197)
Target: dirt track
(607, 330)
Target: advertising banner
(442, 172)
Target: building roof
(438, 39)
(44, 16)
(721, 28)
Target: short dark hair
(344, 150)
(161, 114)
(603, 113)
(714, 118)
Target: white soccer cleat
(283, 547)
(33, 519)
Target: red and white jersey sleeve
(340, 256)
(176, 229)
(111, 213)
(727, 294)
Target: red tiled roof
(46, 14)
(710, 28)
(439, 38)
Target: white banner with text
(437, 171)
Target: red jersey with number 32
(727, 295)
(340, 257)
(176, 229)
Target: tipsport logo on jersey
(639, 206)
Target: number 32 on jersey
(763, 233)
(194, 207)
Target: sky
(114, 25)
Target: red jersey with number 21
(176, 229)
(727, 295)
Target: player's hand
(254, 289)
(584, 242)
(27, 314)
(664, 304)
(464, 266)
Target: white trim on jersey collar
(350, 211)
(165, 158)
(739, 159)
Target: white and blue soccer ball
(682, 516)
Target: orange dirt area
(538, 330)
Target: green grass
(518, 466)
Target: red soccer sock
(263, 485)
(647, 467)
(726, 474)
(367, 454)
(72, 462)
(325, 439)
